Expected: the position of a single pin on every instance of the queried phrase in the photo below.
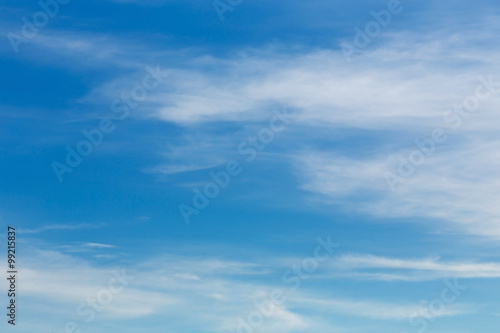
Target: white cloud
(408, 81)
(98, 245)
(389, 269)
(218, 291)
(404, 86)
(62, 227)
(382, 89)
(458, 185)
(381, 310)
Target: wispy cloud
(389, 269)
(383, 89)
(380, 310)
(62, 227)
(97, 245)
(178, 285)
(457, 186)
(397, 87)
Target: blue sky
(320, 138)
